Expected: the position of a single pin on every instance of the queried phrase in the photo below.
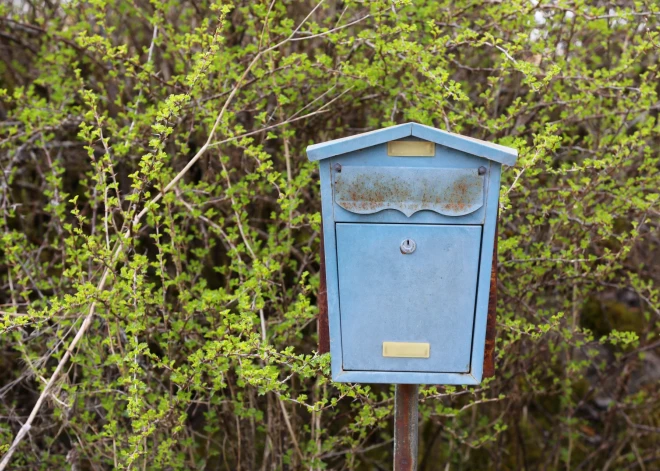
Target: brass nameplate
(410, 149)
(406, 349)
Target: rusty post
(323, 328)
(405, 427)
(491, 323)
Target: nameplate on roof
(410, 149)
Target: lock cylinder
(408, 246)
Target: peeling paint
(447, 191)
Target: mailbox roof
(469, 145)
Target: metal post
(405, 427)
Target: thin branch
(137, 101)
(25, 428)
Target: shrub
(160, 226)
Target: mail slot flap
(407, 310)
(447, 191)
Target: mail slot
(409, 215)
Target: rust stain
(461, 194)
(491, 323)
(375, 192)
(406, 422)
(323, 326)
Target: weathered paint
(469, 145)
(344, 145)
(330, 255)
(448, 191)
(354, 276)
(376, 158)
(485, 265)
(427, 296)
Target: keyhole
(408, 246)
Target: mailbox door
(407, 311)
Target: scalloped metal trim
(446, 191)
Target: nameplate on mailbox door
(406, 349)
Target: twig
(137, 101)
(287, 421)
(25, 428)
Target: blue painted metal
(495, 152)
(448, 191)
(487, 243)
(376, 157)
(332, 280)
(426, 296)
(488, 150)
(436, 294)
(357, 142)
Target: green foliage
(154, 185)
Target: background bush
(195, 311)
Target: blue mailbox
(409, 225)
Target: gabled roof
(487, 150)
